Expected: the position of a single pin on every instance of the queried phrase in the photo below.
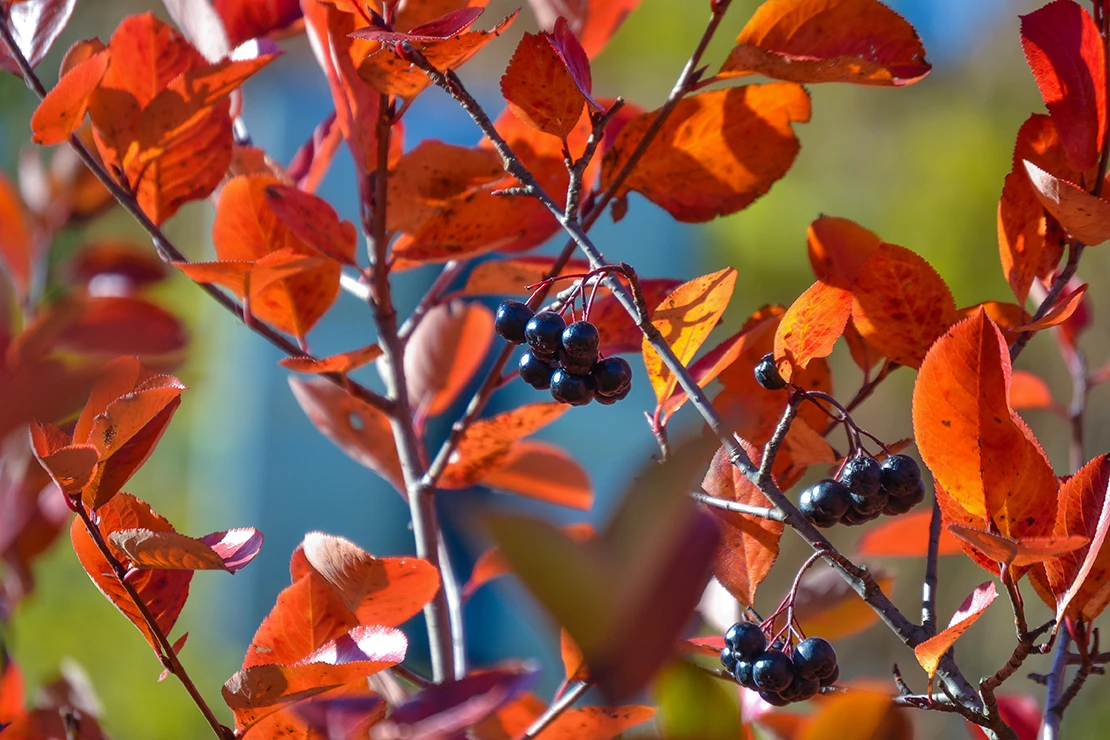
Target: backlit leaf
(929, 652)
(1020, 712)
(716, 153)
(18, 251)
(685, 319)
(315, 222)
(839, 247)
(1009, 551)
(1061, 312)
(1078, 579)
(442, 355)
(1065, 51)
(487, 442)
(63, 109)
(231, 550)
(354, 426)
(617, 329)
(979, 450)
(811, 326)
(342, 363)
(35, 25)
(540, 89)
(863, 712)
(510, 276)
(245, 20)
(900, 304)
(858, 41)
(1082, 215)
(545, 472)
(593, 21)
(586, 723)
(906, 536)
(1029, 391)
(694, 704)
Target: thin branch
(1075, 251)
(929, 585)
(422, 510)
(165, 648)
(761, 512)
(1053, 714)
(771, 449)
(557, 707)
(431, 298)
(865, 392)
(170, 254)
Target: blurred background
(922, 166)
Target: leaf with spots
(163, 591)
(616, 328)
(511, 276)
(587, 723)
(979, 450)
(811, 325)
(900, 304)
(488, 442)
(540, 88)
(230, 551)
(315, 222)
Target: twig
(165, 648)
(422, 508)
(169, 253)
(771, 449)
(929, 585)
(864, 392)
(1053, 714)
(761, 512)
(1075, 251)
(557, 707)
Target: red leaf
(114, 326)
(618, 331)
(979, 450)
(1061, 312)
(511, 276)
(811, 326)
(35, 25)
(1078, 579)
(717, 153)
(906, 536)
(163, 591)
(342, 363)
(231, 550)
(900, 304)
(1064, 49)
(593, 21)
(18, 251)
(839, 247)
(1021, 712)
(587, 723)
(544, 472)
(444, 352)
(1082, 215)
(1029, 391)
(1016, 552)
(574, 57)
(245, 20)
(859, 41)
(540, 89)
(315, 222)
(63, 109)
(930, 651)
(444, 27)
(312, 160)
(488, 442)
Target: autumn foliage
(149, 119)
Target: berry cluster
(864, 490)
(779, 678)
(563, 358)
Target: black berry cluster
(864, 490)
(767, 373)
(563, 358)
(779, 678)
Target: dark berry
(512, 317)
(576, 365)
(825, 502)
(729, 658)
(767, 373)
(862, 476)
(773, 698)
(535, 372)
(898, 506)
(900, 475)
(613, 376)
(544, 332)
(801, 689)
(814, 657)
(742, 672)
(868, 505)
(855, 517)
(610, 400)
(576, 390)
(772, 671)
(831, 678)
(746, 639)
(580, 341)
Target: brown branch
(1075, 251)
(929, 584)
(169, 253)
(165, 648)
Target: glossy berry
(610, 400)
(612, 376)
(814, 657)
(767, 373)
(512, 317)
(825, 502)
(544, 333)
(576, 365)
(902, 504)
(801, 689)
(742, 672)
(855, 517)
(580, 341)
(729, 659)
(772, 671)
(862, 475)
(831, 678)
(535, 372)
(747, 640)
(900, 475)
(576, 390)
(773, 698)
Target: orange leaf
(540, 89)
(574, 662)
(544, 472)
(354, 426)
(231, 550)
(716, 153)
(617, 330)
(315, 222)
(900, 304)
(588, 723)
(930, 652)
(858, 41)
(827, 606)
(811, 326)
(491, 564)
(1078, 579)
(63, 109)
(1018, 553)
(1060, 313)
(383, 591)
(1082, 215)
(978, 449)
(839, 247)
(685, 319)
(861, 713)
(1008, 317)
(342, 363)
(709, 366)
(749, 545)
(163, 591)
(510, 276)
(18, 250)
(487, 442)
(1029, 391)
(593, 21)
(444, 352)
(906, 536)
(257, 692)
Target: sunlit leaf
(230, 550)
(586, 723)
(540, 89)
(929, 652)
(1078, 579)
(342, 363)
(487, 442)
(34, 25)
(811, 325)
(545, 472)
(1082, 215)
(906, 536)
(442, 355)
